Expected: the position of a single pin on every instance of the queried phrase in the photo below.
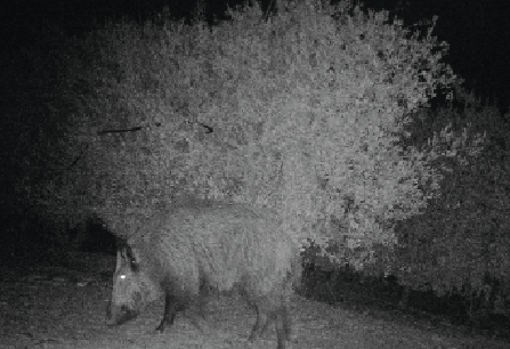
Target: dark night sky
(477, 30)
(479, 36)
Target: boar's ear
(125, 254)
(121, 242)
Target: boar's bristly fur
(186, 250)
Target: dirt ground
(57, 307)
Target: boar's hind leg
(260, 325)
(172, 307)
(282, 327)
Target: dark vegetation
(383, 297)
(33, 241)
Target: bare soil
(61, 307)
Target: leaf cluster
(303, 113)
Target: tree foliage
(304, 114)
(461, 243)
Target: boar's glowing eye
(122, 276)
